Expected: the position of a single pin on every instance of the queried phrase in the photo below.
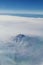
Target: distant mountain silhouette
(25, 48)
(24, 44)
(21, 39)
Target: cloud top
(12, 25)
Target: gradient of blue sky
(22, 5)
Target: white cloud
(12, 25)
(20, 12)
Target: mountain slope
(26, 49)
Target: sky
(11, 6)
(11, 25)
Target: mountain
(25, 49)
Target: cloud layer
(12, 25)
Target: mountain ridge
(24, 48)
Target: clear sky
(21, 5)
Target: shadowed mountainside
(25, 49)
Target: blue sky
(21, 5)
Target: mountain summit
(19, 37)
